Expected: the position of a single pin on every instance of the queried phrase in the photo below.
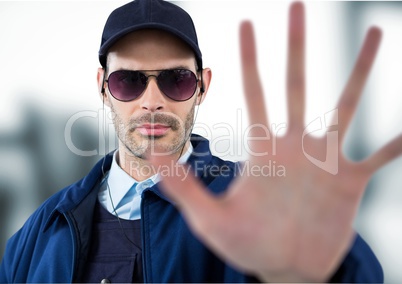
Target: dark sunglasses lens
(127, 85)
(177, 84)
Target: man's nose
(152, 99)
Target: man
(140, 215)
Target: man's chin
(159, 149)
(144, 146)
(154, 137)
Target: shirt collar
(184, 158)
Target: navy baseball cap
(149, 14)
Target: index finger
(251, 80)
(259, 129)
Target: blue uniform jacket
(53, 244)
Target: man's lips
(153, 129)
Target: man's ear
(204, 85)
(102, 86)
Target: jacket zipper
(143, 235)
(143, 243)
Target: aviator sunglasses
(177, 84)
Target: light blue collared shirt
(125, 191)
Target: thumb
(193, 200)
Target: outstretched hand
(297, 227)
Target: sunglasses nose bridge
(155, 76)
(156, 80)
(152, 97)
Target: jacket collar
(71, 196)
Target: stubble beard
(141, 145)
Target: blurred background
(53, 128)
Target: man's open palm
(298, 226)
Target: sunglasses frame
(157, 82)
